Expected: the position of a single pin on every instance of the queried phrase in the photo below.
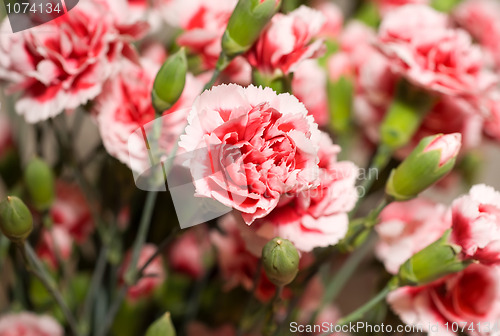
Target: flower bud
(432, 263)
(169, 82)
(16, 221)
(162, 327)
(405, 115)
(281, 261)
(433, 158)
(245, 25)
(39, 180)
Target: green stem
(246, 311)
(132, 271)
(97, 277)
(110, 316)
(360, 312)
(35, 267)
(271, 326)
(335, 286)
(379, 162)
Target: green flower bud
(169, 82)
(16, 221)
(245, 25)
(162, 327)
(281, 261)
(432, 263)
(433, 158)
(405, 115)
(39, 180)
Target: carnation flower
(55, 245)
(29, 324)
(65, 62)
(476, 224)
(421, 47)
(249, 146)
(318, 217)
(287, 41)
(375, 85)
(466, 298)
(154, 274)
(70, 211)
(480, 19)
(334, 19)
(204, 27)
(405, 228)
(204, 23)
(125, 106)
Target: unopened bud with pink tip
(432, 159)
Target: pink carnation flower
(125, 106)
(204, 23)
(481, 19)
(375, 85)
(287, 41)
(64, 63)
(249, 147)
(316, 218)
(476, 224)
(421, 47)
(29, 324)
(334, 19)
(405, 228)
(154, 274)
(70, 211)
(471, 296)
(55, 245)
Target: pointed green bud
(16, 221)
(162, 327)
(433, 158)
(281, 261)
(432, 263)
(405, 115)
(39, 181)
(169, 82)
(245, 25)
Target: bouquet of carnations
(249, 167)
